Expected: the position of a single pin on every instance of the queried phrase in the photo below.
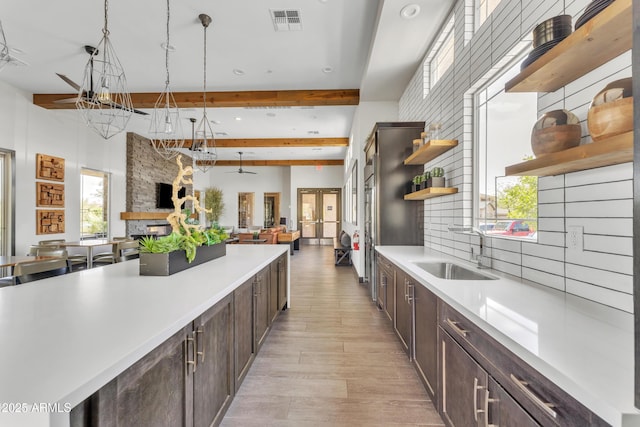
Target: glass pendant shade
(166, 126)
(103, 98)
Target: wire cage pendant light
(204, 145)
(5, 58)
(166, 126)
(103, 98)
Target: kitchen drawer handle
(457, 328)
(476, 387)
(546, 407)
(191, 342)
(200, 330)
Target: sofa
(269, 234)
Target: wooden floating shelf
(610, 151)
(429, 151)
(431, 192)
(599, 40)
(143, 215)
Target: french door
(319, 215)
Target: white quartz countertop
(585, 348)
(63, 338)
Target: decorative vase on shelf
(556, 130)
(611, 112)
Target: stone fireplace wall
(145, 168)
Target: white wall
(365, 117)
(29, 130)
(269, 179)
(599, 200)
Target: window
(483, 10)
(7, 210)
(440, 57)
(505, 206)
(94, 205)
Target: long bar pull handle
(488, 400)
(191, 343)
(457, 328)
(406, 290)
(200, 343)
(476, 387)
(545, 406)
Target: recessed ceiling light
(269, 72)
(238, 72)
(316, 149)
(222, 134)
(271, 114)
(215, 122)
(327, 70)
(170, 48)
(238, 118)
(322, 1)
(410, 11)
(313, 132)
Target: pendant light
(5, 58)
(103, 98)
(204, 146)
(166, 126)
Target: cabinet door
(503, 410)
(426, 337)
(390, 289)
(273, 291)
(381, 283)
(282, 282)
(213, 378)
(261, 295)
(403, 311)
(158, 389)
(243, 301)
(464, 385)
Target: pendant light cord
(105, 30)
(166, 57)
(204, 87)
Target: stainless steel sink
(451, 271)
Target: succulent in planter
(256, 235)
(437, 177)
(416, 183)
(426, 179)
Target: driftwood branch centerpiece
(187, 245)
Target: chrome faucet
(478, 258)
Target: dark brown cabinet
(464, 384)
(185, 381)
(245, 348)
(503, 410)
(282, 282)
(404, 311)
(213, 377)
(426, 338)
(385, 278)
(261, 306)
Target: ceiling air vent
(286, 20)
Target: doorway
(319, 215)
(245, 210)
(271, 209)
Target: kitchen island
(584, 348)
(65, 337)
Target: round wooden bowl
(555, 138)
(610, 119)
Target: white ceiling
(366, 43)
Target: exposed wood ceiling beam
(277, 163)
(277, 142)
(271, 98)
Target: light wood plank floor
(332, 359)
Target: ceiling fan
(92, 51)
(240, 170)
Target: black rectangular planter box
(176, 261)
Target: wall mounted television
(163, 195)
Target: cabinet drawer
(546, 402)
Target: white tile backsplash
(598, 200)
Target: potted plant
(213, 201)
(416, 183)
(426, 179)
(437, 177)
(256, 235)
(187, 245)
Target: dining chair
(75, 260)
(36, 270)
(122, 251)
